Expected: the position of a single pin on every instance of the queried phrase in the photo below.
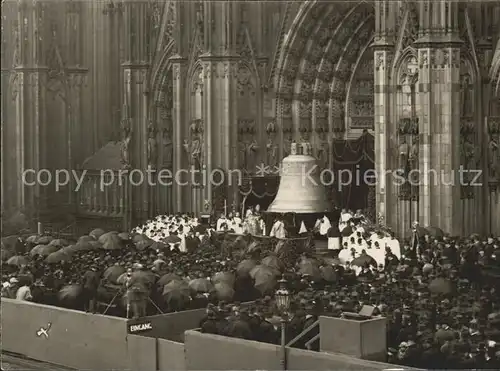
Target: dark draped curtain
(261, 191)
(354, 157)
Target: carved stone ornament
(248, 145)
(424, 59)
(272, 152)
(323, 150)
(194, 144)
(287, 144)
(271, 127)
(126, 130)
(167, 147)
(152, 145)
(176, 71)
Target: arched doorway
(325, 85)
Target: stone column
(179, 70)
(29, 82)
(76, 77)
(219, 62)
(383, 58)
(439, 116)
(136, 95)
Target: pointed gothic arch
(315, 69)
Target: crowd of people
(440, 293)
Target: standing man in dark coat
(91, 280)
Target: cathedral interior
(100, 86)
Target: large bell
(300, 190)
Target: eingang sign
(140, 327)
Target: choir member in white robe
(345, 254)
(182, 245)
(393, 244)
(278, 230)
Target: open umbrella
(97, 233)
(201, 285)
(262, 268)
(253, 247)
(143, 244)
(111, 241)
(17, 261)
(224, 277)
(96, 245)
(32, 239)
(224, 291)
(144, 277)
(245, 266)
(159, 246)
(44, 240)
(58, 242)
(167, 278)
(363, 260)
(273, 262)
(124, 236)
(86, 239)
(44, 250)
(328, 273)
(82, 246)
(171, 239)
(421, 231)
(13, 244)
(435, 232)
(68, 294)
(265, 280)
(176, 295)
(441, 286)
(6, 254)
(58, 256)
(331, 261)
(111, 274)
(309, 267)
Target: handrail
(308, 344)
(304, 332)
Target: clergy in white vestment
(278, 230)
(345, 216)
(324, 226)
(303, 228)
(262, 226)
(222, 220)
(237, 219)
